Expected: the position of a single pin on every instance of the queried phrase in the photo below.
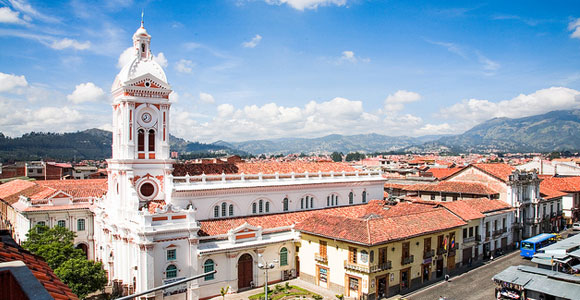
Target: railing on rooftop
(232, 178)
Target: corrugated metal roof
(541, 280)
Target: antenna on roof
(142, 13)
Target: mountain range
(553, 131)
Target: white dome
(139, 67)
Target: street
(475, 284)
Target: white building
(154, 228)
(546, 167)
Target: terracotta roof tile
(296, 167)
(457, 187)
(82, 188)
(498, 170)
(562, 184)
(441, 173)
(39, 269)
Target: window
(140, 140)
(383, 255)
(61, 223)
(464, 233)
(311, 202)
(224, 206)
(350, 198)
(285, 204)
(364, 197)
(283, 256)
(171, 254)
(372, 256)
(171, 271)
(147, 189)
(328, 201)
(142, 47)
(216, 211)
(267, 206)
(254, 207)
(40, 223)
(301, 203)
(432, 197)
(406, 249)
(151, 140)
(208, 266)
(261, 206)
(470, 231)
(231, 210)
(352, 255)
(503, 224)
(322, 248)
(80, 224)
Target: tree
(336, 157)
(82, 276)
(55, 244)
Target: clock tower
(140, 164)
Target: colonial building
(378, 250)
(156, 226)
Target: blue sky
(293, 68)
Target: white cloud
(9, 82)
(126, 57)
(253, 42)
(87, 92)
(434, 129)
(451, 47)
(574, 26)
(225, 110)
(174, 97)
(27, 9)
(349, 56)
(488, 64)
(9, 16)
(396, 102)
(160, 59)
(129, 54)
(307, 4)
(68, 43)
(207, 98)
(184, 66)
(470, 112)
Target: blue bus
(530, 246)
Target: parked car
(576, 226)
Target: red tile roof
(376, 229)
(82, 188)
(484, 205)
(295, 166)
(463, 210)
(45, 275)
(441, 173)
(350, 222)
(456, 187)
(562, 184)
(499, 170)
(12, 189)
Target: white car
(576, 226)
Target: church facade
(154, 228)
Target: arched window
(208, 266)
(224, 207)
(80, 224)
(311, 202)
(261, 206)
(143, 47)
(151, 140)
(231, 210)
(171, 271)
(254, 207)
(327, 200)
(61, 223)
(364, 196)
(301, 203)
(350, 198)
(267, 206)
(41, 223)
(216, 211)
(140, 140)
(285, 204)
(335, 199)
(283, 256)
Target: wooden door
(245, 271)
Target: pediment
(140, 81)
(60, 195)
(245, 228)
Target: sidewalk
(325, 293)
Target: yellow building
(379, 250)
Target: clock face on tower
(146, 117)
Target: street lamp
(266, 266)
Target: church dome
(142, 62)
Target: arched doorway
(85, 249)
(245, 271)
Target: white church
(152, 228)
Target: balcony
(469, 239)
(504, 230)
(487, 234)
(367, 269)
(381, 267)
(497, 233)
(478, 237)
(441, 251)
(321, 259)
(407, 260)
(428, 254)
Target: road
(473, 285)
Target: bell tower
(140, 163)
